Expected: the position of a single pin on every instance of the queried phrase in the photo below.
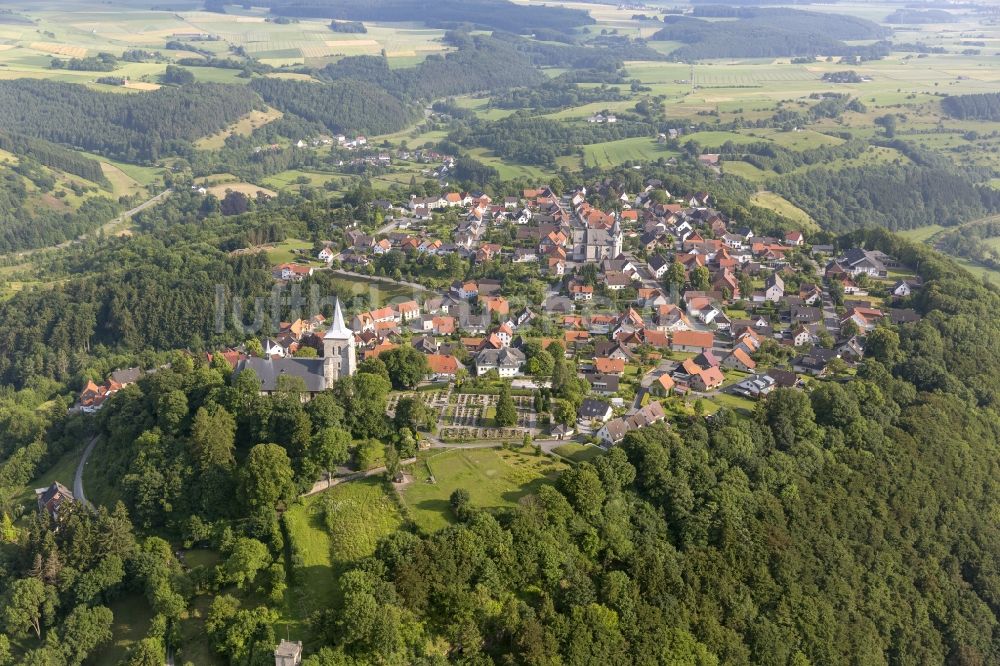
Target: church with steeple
(339, 350)
(317, 374)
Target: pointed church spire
(338, 329)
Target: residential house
(594, 410)
(442, 366)
(756, 387)
(815, 362)
(794, 238)
(291, 272)
(658, 266)
(51, 498)
(871, 262)
(739, 360)
(774, 288)
(903, 288)
(708, 379)
(613, 432)
(609, 366)
(506, 361)
(663, 385)
(581, 292)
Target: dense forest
(771, 33)
(133, 128)
(341, 106)
(889, 196)
(488, 14)
(985, 106)
(481, 63)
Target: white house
(507, 361)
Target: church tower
(339, 353)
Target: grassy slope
(494, 478)
(361, 514)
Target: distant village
(662, 302)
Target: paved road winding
(78, 477)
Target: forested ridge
(54, 156)
(756, 32)
(971, 241)
(489, 14)
(341, 106)
(481, 63)
(133, 128)
(890, 196)
(24, 223)
(153, 292)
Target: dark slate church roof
(310, 370)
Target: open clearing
(248, 189)
(242, 127)
(288, 250)
(495, 478)
(782, 206)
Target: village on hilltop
(664, 305)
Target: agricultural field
(77, 32)
(294, 178)
(495, 478)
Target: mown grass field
(495, 478)
(288, 250)
(287, 179)
(249, 189)
(578, 452)
(613, 153)
(101, 491)
(921, 234)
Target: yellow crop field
(60, 49)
